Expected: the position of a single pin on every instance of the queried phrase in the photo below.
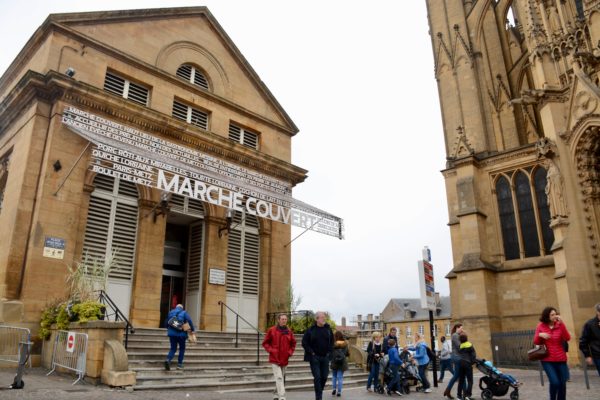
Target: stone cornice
(520, 152)
(55, 86)
(55, 23)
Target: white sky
(357, 78)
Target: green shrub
(64, 313)
(88, 311)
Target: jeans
(557, 373)
(597, 362)
(373, 375)
(319, 367)
(337, 378)
(423, 375)
(466, 373)
(395, 382)
(456, 363)
(177, 341)
(279, 374)
(445, 365)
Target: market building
(518, 88)
(145, 137)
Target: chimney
(343, 321)
(438, 303)
(359, 317)
(370, 317)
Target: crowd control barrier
(10, 338)
(70, 352)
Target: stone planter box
(98, 332)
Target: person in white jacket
(445, 358)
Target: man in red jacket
(280, 343)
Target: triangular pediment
(584, 98)
(167, 38)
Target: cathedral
(518, 84)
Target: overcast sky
(357, 79)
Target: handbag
(175, 323)
(537, 353)
(186, 327)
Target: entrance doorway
(183, 259)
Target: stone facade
(518, 88)
(147, 47)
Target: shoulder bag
(537, 353)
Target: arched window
(531, 242)
(539, 181)
(193, 75)
(507, 219)
(112, 228)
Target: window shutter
(199, 118)
(177, 203)
(190, 115)
(180, 111)
(138, 94)
(96, 231)
(200, 79)
(243, 136)
(234, 258)
(114, 84)
(235, 133)
(124, 88)
(123, 240)
(192, 75)
(195, 257)
(185, 72)
(251, 263)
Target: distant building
(407, 315)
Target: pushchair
(403, 383)
(494, 382)
(410, 377)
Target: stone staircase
(215, 364)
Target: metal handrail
(105, 299)
(237, 318)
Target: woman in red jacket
(280, 343)
(552, 332)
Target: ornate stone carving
(462, 147)
(555, 190)
(585, 104)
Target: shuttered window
(195, 257)
(243, 255)
(112, 224)
(185, 205)
(243, 136)
(190, 115)
(193, 75)
(126, 89)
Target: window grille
(193, 75)
(243, 136)
(125, 88)
(190, 115)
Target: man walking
(178, 324)
(589, 342)
(318, 345)
(280, 343)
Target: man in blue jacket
(177, 336)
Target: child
(394, 367)
(509, 378)
(339, 363)
(467, 356)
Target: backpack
(339, 355)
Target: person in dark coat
(589, 342)
(177, 337)
(339, 362)
(318, 346)
(467, 356)
(392, 335)
(280, 343)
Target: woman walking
(176, 321)
(445, 358)
(422, 359)
(457, 329)
(374, 354)
(339, 362)
(552, 333)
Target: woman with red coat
(280, 343)
(552, 332)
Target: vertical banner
(426, 281)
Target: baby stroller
(494, 382)
(403, 383)
(410, 377)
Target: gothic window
(112, 225)
(531, 243)
(539, 180)
(507, 219)
(526, 232)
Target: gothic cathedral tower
(518, 84)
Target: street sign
(71, 342)
(54, 247)
(427, 283)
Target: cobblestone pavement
(58, 387)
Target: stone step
(225, 371)
(198, 355)
(204, 363)
(147, 347)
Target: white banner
(148, 160)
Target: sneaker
(398, 393)
(167, 366)
(180, 366)
(427, 390)
(369, 389)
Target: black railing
(112, 311)
(237, 325)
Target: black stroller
(494, 382)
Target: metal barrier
(70, 352)
(510, 349)
(10, 338)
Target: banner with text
(144, 159)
